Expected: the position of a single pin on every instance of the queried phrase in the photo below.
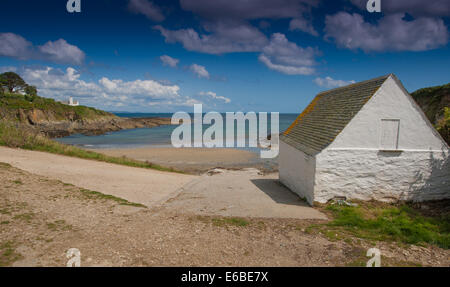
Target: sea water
(152, 137)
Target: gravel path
(145, 186)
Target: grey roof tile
(328, 114)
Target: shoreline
(194, 160)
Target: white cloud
(111, 94)
(392, 33)
(302, 24)
(288, 58)
(200, 71)
(225, 37)
(215, 96)
(15, 46)
(169, 61)
(62, 52)
(59, 84)
(139, 88)
(277, 54)
(329, 82)
(147, 8)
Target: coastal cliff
(55, 119)
(55, 129)
(435, 102)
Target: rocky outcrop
(98, 126)
(53, 126)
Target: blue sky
(254, 55)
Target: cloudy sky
(253, 55)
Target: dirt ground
(40, 219)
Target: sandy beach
(195, 160)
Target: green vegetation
(13, 136)
(5, 165)
(435, 102)
(18, 182)
(24, 216)
(386, 223)
(10, 103)
(97, 195)
(8, 254)
(59, 225)
(230, 221)
(15, 94)
(12, 82)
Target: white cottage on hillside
(71, 102)
(368, 140)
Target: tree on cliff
(12, 82)
(2, 85)
(31, 90)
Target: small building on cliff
(368, 140)
(71, 102)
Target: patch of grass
(16, 136)
(5, 165)
(18, 182)
(401, 223)
(98, 195)
(24, 216)
(4, 222)
(59, 225)
(5, 211)
(230, 221)
(8, 254)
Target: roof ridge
(355, 84)
(328, 114)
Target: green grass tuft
(8, 254)
(230, 221)
(401, 224)
(98, 195)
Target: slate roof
(328, 114)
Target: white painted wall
(353, 165)
(390, 102)
(386, 176)
(296, 171)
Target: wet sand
(195, 160)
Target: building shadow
(278, 192)
(436, 183)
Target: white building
(368, 140)
(72, 103)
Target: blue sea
(151, 137)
